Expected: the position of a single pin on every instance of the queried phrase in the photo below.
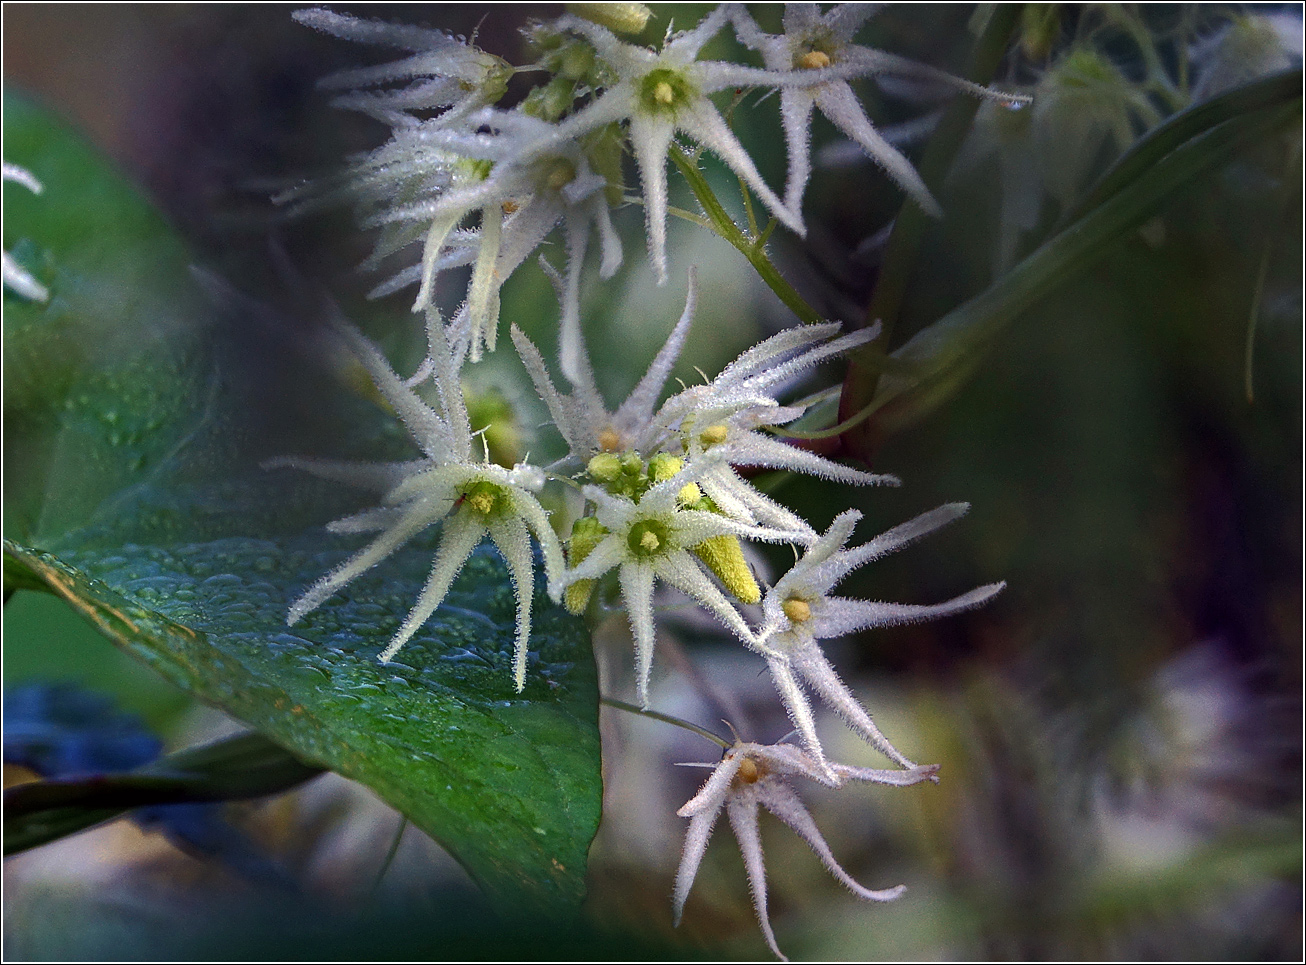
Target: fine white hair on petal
(460, 536)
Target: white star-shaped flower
(823, 42)
(445, 73)
(750, 775)
(799, 610)
(15, 275)
(474, 499)
(665, 91)
(652, 538)
(726, 415)
(582, 417)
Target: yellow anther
(663, 93)
(689, 494)
(814, 60)
(725, 557)
(714, 434)
(796, 610)
(649, 541)
(609, 440)
(750, 772)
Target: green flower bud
(605, 467)
(663, 466)
(621, 18)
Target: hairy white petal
(696, 838)
(416, 519)
(514, 544)
(796, 705)
(895, 539)
(650, 138)
(637, 593)
(839, 103)
(780, 800)
(682, 571)
(811, 663)
(742, 811)
(461, 534)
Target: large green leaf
(136, 415)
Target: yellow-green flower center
(486, 498)
(648, 538)
(664, 90)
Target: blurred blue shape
(65, 731)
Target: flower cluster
(659, 495)
(476, 184)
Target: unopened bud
(689, 496)
(663, 466)
(605, 467)
(586, 533)
(622, 18)
(725, 557)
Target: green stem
(667, 719)
(751, 247)
(389, 855)
(909, 228)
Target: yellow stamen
(649, 540)
(814, 60)
(663, 93)
(714, 434)
(796, 610)
(609, 440)
(750, 772)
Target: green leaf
(139, 410)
